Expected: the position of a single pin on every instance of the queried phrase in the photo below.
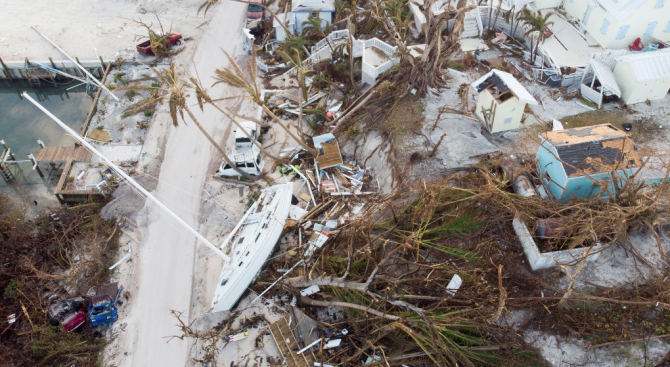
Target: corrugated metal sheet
(309, 5)
(606, 77)
(608, 57)
(621, 10)
(654, 65)
(510, 81)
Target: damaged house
(304, 9)
(502, 100)
(581, 162)
(616, 24)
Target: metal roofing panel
(510, 81)
(620, 11)
(646, 66)
(606, 77)
(316, 5)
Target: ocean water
(21, 123)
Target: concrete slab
(120, 153)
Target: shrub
(148, 113)
(131, 93)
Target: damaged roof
(593, 149)
(621, 11)
(313, 5)
(503, 82)
(328, 151)
(648, 66)
(606, 77)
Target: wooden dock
(288, 345)
(63, 154)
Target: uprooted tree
(425, 70)
(160, 42)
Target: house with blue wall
(304, 9)
(583, 161)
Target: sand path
(167, 253)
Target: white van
(246, 156)
(241, 139)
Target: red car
(255, 11)
(145, 47)
(67, 313)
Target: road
(167, 253)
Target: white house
(304, 9)
(289, 21)
(615, 24)
(643, 76)
(502, 100)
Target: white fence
(332, 38)
(268, 68)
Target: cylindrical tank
(523, 186)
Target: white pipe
(130, 251)
(276, 281)
(132, 182)
(77, 64)
(301, 351)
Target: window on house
(587, 14)
(547, 175)
(667, 28)
(507, 121)
(606, 25)
(314, 14)
(650, 29)
(622, 32)
(660, 3)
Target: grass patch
(642, 131)
(405, 119)
(131, 93)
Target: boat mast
(131, 181)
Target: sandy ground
(87, 29)
(162, 270)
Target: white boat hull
(253, 241)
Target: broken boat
(251, 243)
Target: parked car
(246, 156)
(241, 139)
(248, 160)
(255, 11)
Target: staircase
(471, 24)
(6, 173)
